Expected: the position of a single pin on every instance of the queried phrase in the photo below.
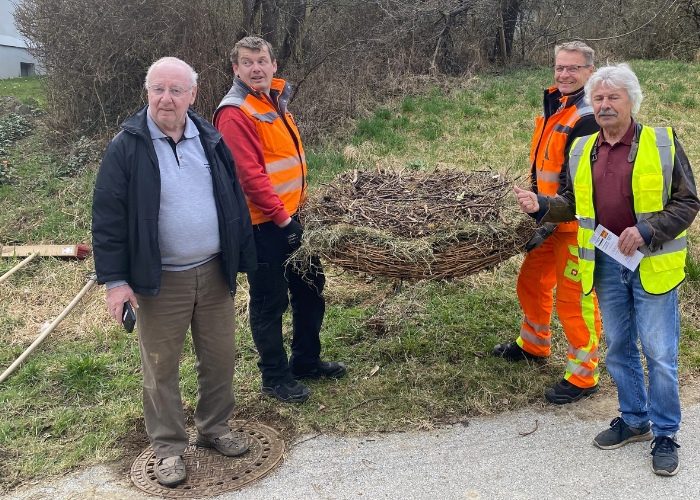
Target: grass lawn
(417, 357)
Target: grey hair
(171, 60)
(577, 46)
(251, 43)
(619, 76)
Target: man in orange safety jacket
(552, 258)
(271, 166)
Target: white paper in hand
(606, 242)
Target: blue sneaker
(664, 453)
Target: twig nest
(414, 224)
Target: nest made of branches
(414, 224)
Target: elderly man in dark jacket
(170, 232)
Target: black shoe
(511, 351)
(288, 392)
(327, 369)
(565, 392)
(619, 434)
(231, 444)
(664, 452)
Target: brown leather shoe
(231, 444)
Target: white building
(15, 60)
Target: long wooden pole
(18, 267)
(45, 331)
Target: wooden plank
(45, 250)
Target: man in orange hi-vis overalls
(552, 258)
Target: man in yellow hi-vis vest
(635, 183)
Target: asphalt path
(539, 453)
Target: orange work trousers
(555, 264)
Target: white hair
(619, 76)
(171, 60)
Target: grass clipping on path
(414, 224)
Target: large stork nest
(414, 224)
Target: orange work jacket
(550, 139)
(285, 162)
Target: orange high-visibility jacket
(552, 136)
(285, 162)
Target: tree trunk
(292, 46)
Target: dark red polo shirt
(612, 183)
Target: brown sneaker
(170, 471)
(231, 444)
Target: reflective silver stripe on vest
(672, 246)
(586, 223)
(586, 254)
(663, 143)
(582, 355)
(268, 117)
(289, 186)
(584, 109)
(281, 165)
(548, 176)
(574, 368)
(564, 129)
(575, 156)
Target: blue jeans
(631, 314)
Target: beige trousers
(198, 298)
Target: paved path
(484, 459)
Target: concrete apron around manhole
(208, 472)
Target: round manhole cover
(210, 473)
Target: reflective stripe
(663, 143)
(531, 338)
(575, 155)
(573, 368)
(586, 223)
(548, 176)
(586, 254)
(583, 108)
(536, 326)
(669, 247)
(268, 117)
(280, 165)
(564, 129)
(582, 355)
(289, 186)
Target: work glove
(542, 232)
(293, 232)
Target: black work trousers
(273, 286)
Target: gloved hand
(542, 232)
(293, 232)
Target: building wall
(11, 59)
(13, 48)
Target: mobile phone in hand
(128, 317)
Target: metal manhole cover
(209, 472)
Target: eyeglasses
(573, 69)
(174, 91)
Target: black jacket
(126, 203)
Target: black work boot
(511, 351)
(565, 392)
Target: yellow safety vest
(659, 271)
